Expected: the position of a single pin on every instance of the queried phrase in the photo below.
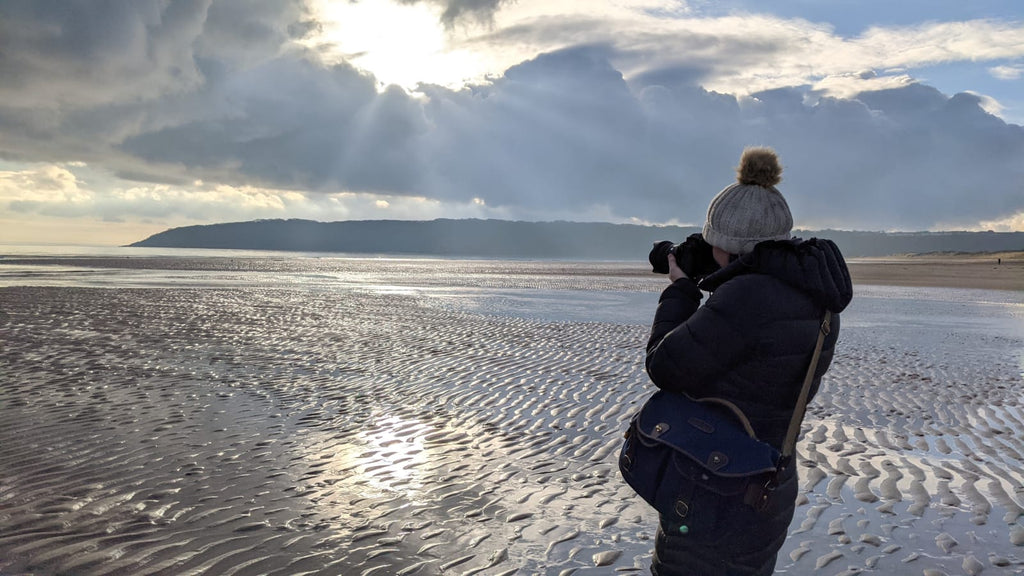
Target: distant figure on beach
(751, 344)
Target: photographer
(750, 344)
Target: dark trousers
(722, 536)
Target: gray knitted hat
(751, 210)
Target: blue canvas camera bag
(676, 447)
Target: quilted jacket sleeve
(691, 347)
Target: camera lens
(659, 256)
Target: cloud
(67, 53)
(1014, 223)
(54, 185)
(986, 103)
(452, 11)
(560, 131)
(934, 42)
(746, 53)
(74, 191)
(1007, 72)
(77, 53)
(295, 124)
(622, 115)
(904, 157)
(80, 77)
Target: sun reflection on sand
(388, 457)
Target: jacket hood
(814, 266)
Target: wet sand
(987, 271)
(389, 429)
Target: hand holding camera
(693, 256)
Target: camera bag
(676, 445)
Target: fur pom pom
(759, 166)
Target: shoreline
(987, 271)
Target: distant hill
(513, 239)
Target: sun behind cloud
(403, 44)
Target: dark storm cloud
(173, 91)
(908, 157)
(246, 31)
(295, 124)
(562, 130)
(75, 52)
(79, 76)
(177, 91)
(565, 130)
(454, 10)
(80, 52)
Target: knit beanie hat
(751, 210)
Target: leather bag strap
(735, 410)
(789, 445)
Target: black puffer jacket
(753, 339)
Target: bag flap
(709, 434)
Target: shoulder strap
(789, 445)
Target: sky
(123, 118)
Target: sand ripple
(280, 432)
(254, 431)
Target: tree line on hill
(531, 240)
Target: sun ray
(402, 44)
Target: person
(750, 343)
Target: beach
(390, 416)
(989, 271)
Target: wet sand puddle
(217, 432)
(274, 431)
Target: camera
(694, 256)
(659, 256)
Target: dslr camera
(693, 256)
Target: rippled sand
(285, 427)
